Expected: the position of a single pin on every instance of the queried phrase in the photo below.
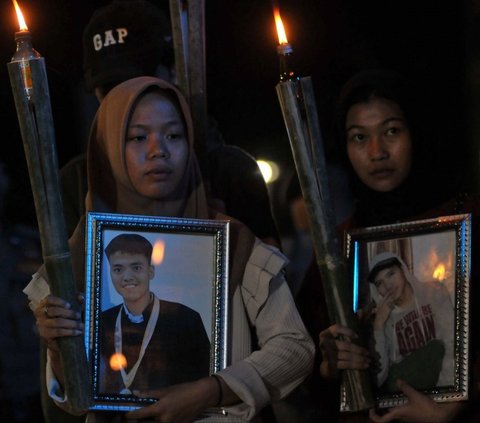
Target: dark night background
(436, 45)
(431, 43)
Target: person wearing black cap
(130, 38)
(123, 40)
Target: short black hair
(385, 264)
(130, 244)
(375, 83)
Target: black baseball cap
(123, 40)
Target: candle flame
(118, 362)
(21, 20)
(439, 272)
(158, 252)
(282, 36)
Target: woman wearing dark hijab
(394, 179)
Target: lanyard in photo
(152, 321)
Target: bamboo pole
(188, 26)
(178, 18)
(300, 115)
(197, 75)
(36, 126)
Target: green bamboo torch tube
(36, 126)
(300, 116)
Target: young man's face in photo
(131, 275)
(392, 280)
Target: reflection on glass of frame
(156, 304)
(411, 293)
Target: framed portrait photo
(156, 304)
(411, 294)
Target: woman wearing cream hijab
(141, 161)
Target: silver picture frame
(425, 342)
(193, 273)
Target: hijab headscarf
(110, 189)
(109, 186)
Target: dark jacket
(178, 352)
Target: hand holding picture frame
(411, 294)
(156, 304)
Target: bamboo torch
(188, 26)
(179, 21)
(299, 111)
(32, 100)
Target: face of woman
(379, 144)
(156, 149)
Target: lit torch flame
(118, 362)
(439, 272)
(21, 20)
(282, 36)
(158, 252)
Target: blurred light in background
(270, 170)
(158, 252)
(118, 362)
